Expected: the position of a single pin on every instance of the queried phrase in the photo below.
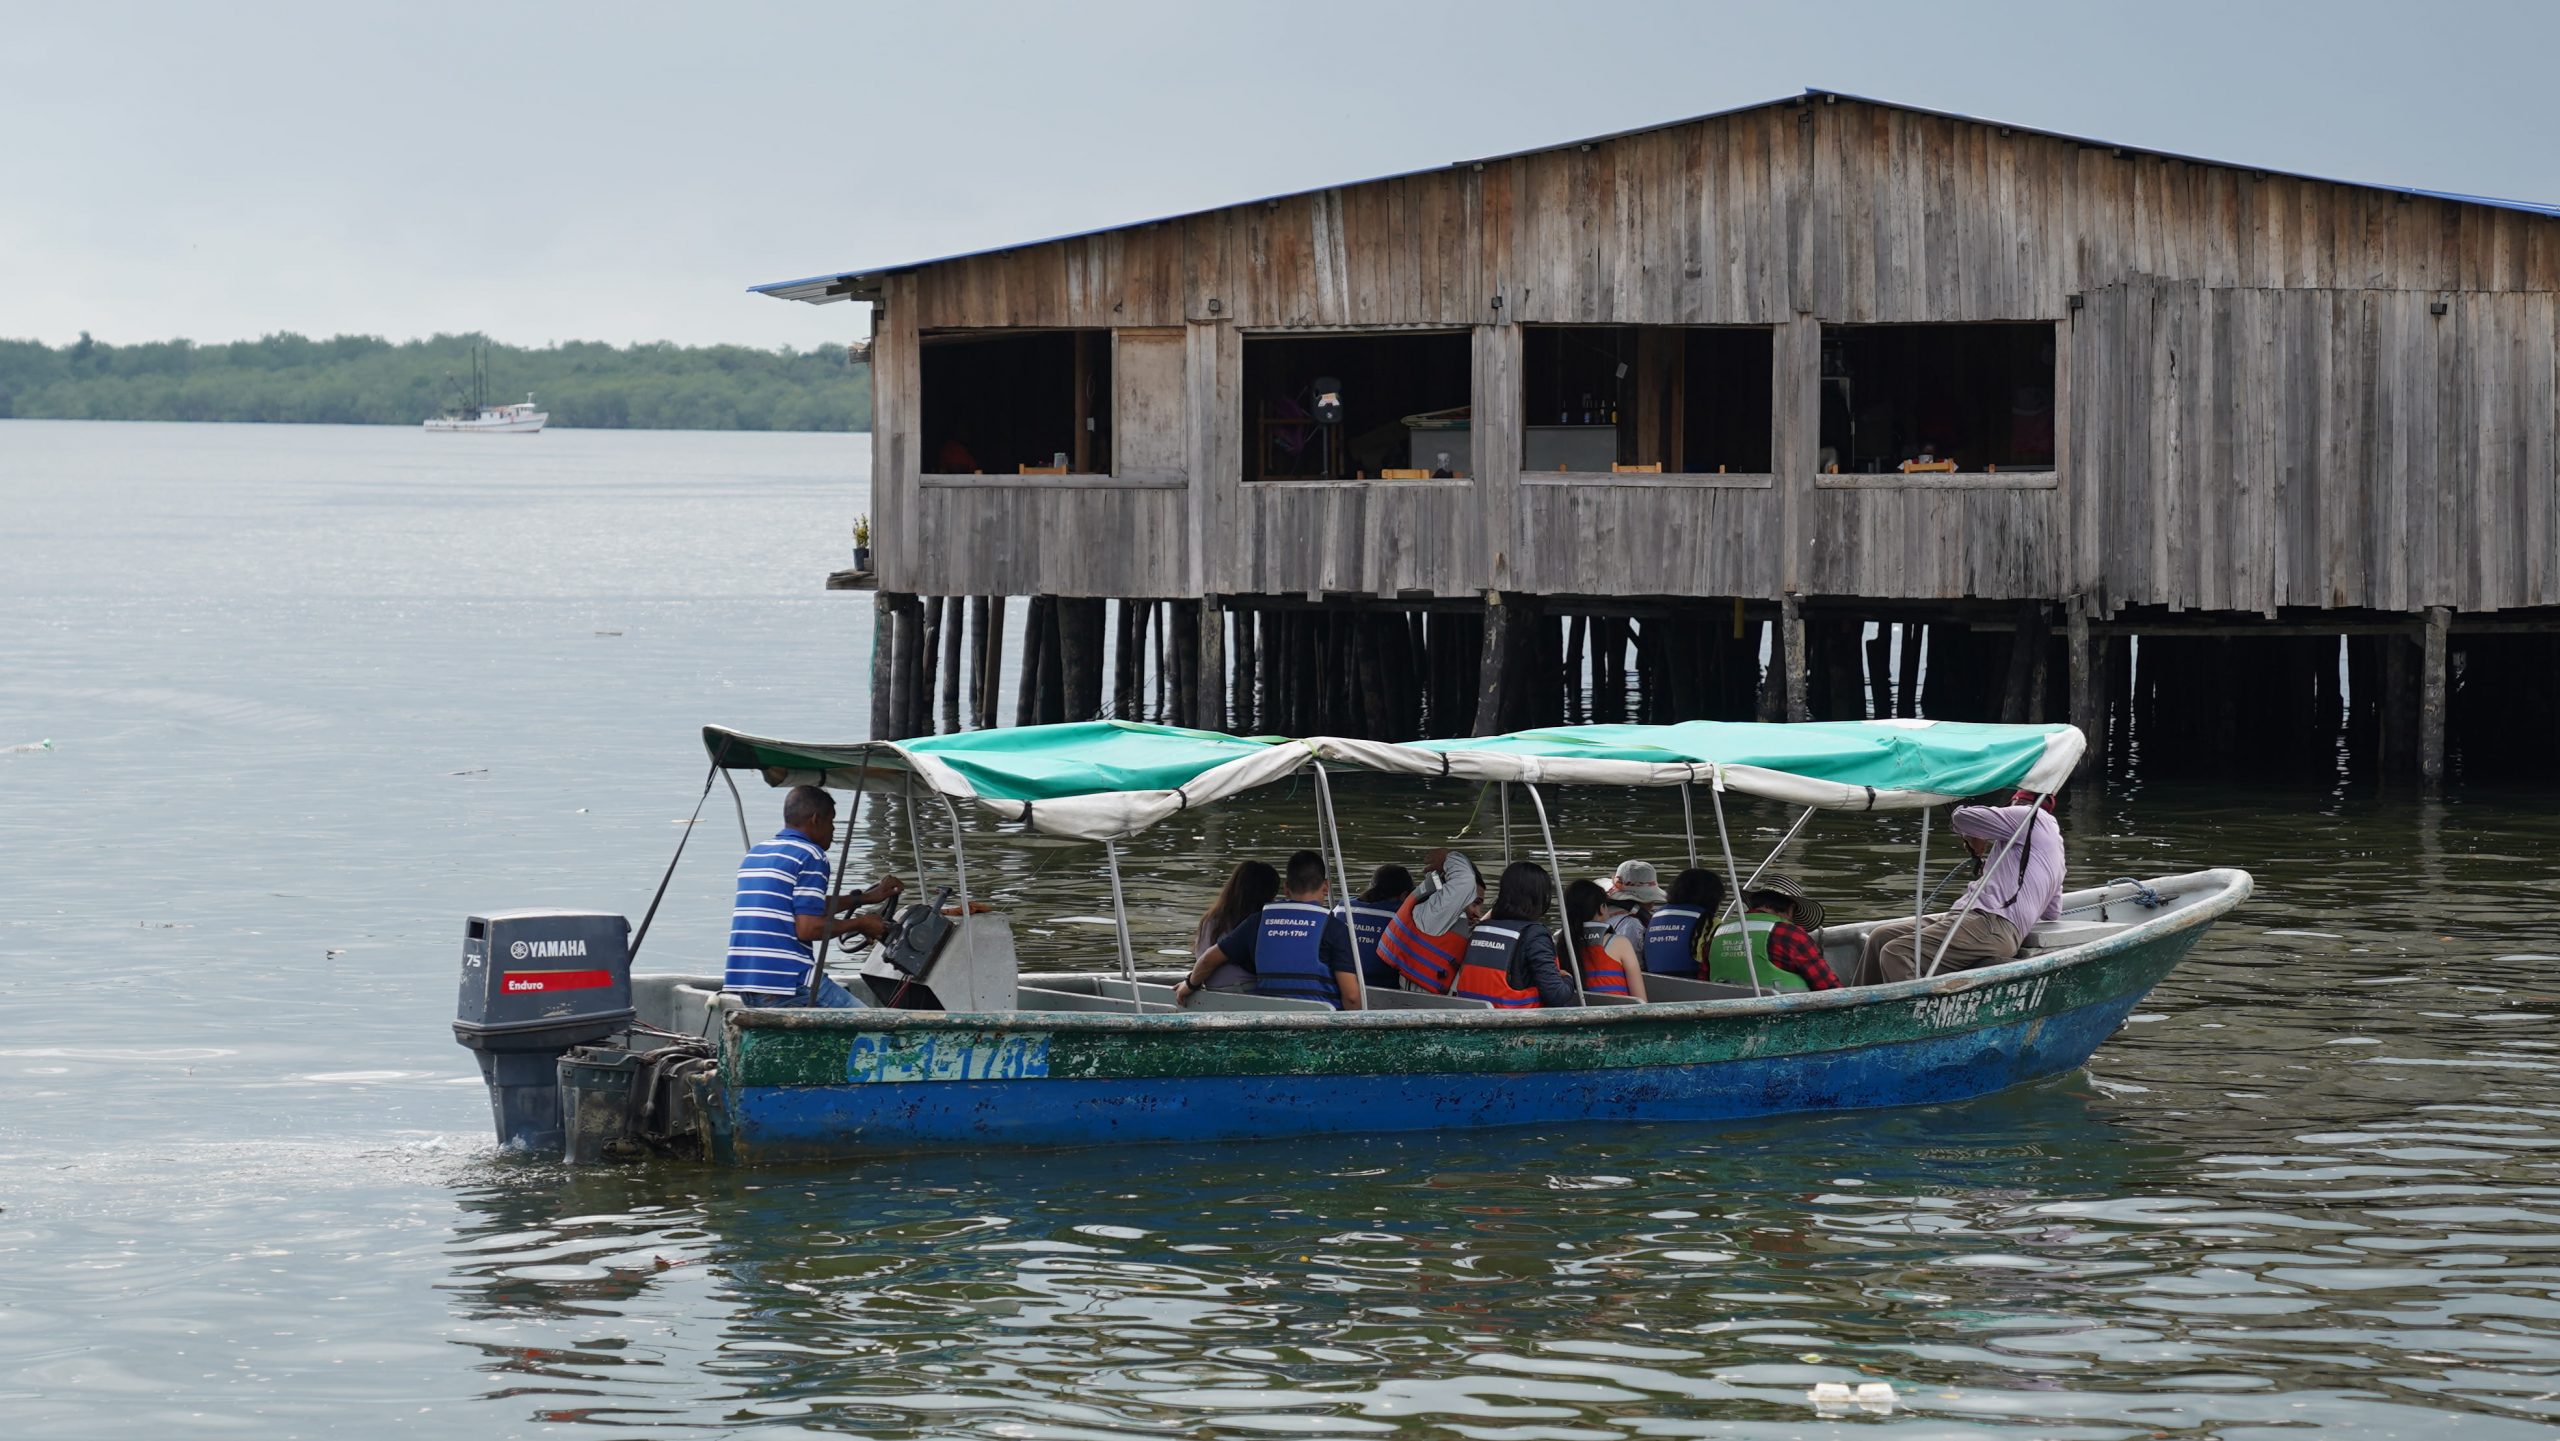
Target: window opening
(1016, 402)
(1696, 400)
(1922, 398)
(1346, 405)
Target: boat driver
(1296, 947)
(2021, 885)
(783, 906)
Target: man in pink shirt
(2016, 890)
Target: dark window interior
(1979, 395)
(996, 402)
(1386, 381)
(1694, 400)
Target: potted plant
(862, 541)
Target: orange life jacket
(1427, 962)
(1484, 974)
(1602, 974)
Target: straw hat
(1441, 901)
(1634, 881)
(1809, 912)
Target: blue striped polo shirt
(784, 878)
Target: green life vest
(1730, 962)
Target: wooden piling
(906, 640)
(991, 687)
(1244, 704)
(1493, 678)
(1080, 655)
(1209, 665)
(2432, 680)
(2088, 688)
(1791, 644)
(883, 662)
(928, 666)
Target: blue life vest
(1671, 942)
(1288, 953)
(1369, 926)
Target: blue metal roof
(853, 284)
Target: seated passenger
(1611, 964)
(1371, 914)
(1776, 915)
(1250, 887)
(1633, 888)
(1675, 935)
(1428, 936)
(1295, 947)
(1511, 955)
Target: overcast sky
(623, 172)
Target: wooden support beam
(1244, 710)
(1492, 673)
(906, 641)
(1209, 668)
(1791, 638)
(1575, 684)
(1906, 683)
(928, 666)
(2088, 689)
(991, 693)
(1052, 690)
(1124, 657)
(1035, 645)
(2432, 683)
(1080, 656)
(1880, 672)
(884, 650)
(975, 706)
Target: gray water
(317, 693)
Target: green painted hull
(799, 1084)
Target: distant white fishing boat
(476, 413)
(518, 419)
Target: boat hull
(804, 1084)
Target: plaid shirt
(1790, 949)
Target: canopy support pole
(745, 842)
(1733, 872)
(1780, 848)
(844, 858)
(1568, 946)
(1120, 922)
(915, 831)
(960, 863)
(1506, 823)
(1342, 881)
(1689, 823)
(1920, 879)
(1974, 892)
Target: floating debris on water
(482, 771)
(44, 745)
(1835, 1397)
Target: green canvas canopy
(1832, 765)
(1100, 780)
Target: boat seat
(1118, 990)
(1596, 998)
(2063, 934)
(1680, 988)
(1032, 998)
(1382, 999)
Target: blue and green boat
(968, 1051)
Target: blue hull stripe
(782, 1122)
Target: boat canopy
(1104, 780)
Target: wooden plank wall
(2257, 408)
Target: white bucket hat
(1635, 881)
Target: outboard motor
(534, 984)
